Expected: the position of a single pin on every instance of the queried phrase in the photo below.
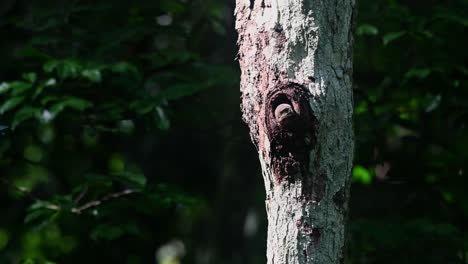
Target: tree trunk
(296, 62)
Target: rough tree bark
(296, 63)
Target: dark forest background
(121, 139)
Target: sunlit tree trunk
(296, 62)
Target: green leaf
(93, 75)
(35, 261)
(4, 87)
(30, 77)
(361, 108)
(427, 34)
(19, 87)
(40, 204)
(42, 86)
(392, 36)
(463, 21)
(65, 68)
(33, 153)
(142, 107)
(367, 29)
(171, 6)
(68, 69)
(24, 114)
(70, 102)
(420, 73)
(162, 120)
(117, 168)
(133, 178)
(49, 98)
(124, 67)
(35, 215)
(50, 66)
(361, 174)
(433, 103)
(448, 196)
(116, 163)
(11, 103)
(4, 239)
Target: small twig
(75, 210)
(53, 207)
(81, 195)
(95, 203)
(20, 189)
(28, 193)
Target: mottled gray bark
(296, 63)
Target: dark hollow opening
(279, 99)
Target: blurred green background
(121, 138)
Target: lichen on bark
(296, 64)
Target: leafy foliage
(83, 85)
(411, 122)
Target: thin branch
(81, 195)
(75, 210)
(95, 203)
(20, 189)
